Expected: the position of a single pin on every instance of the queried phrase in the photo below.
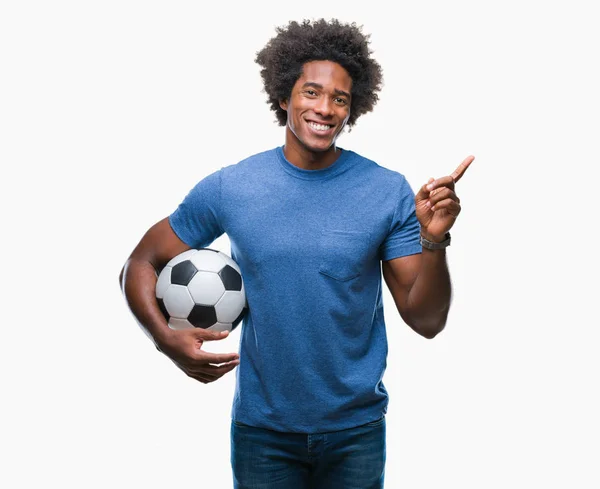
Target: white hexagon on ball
(229, 261)
(178, 301)
(230, 306)
(178, 323)
(181, 257)
(163, 282)
(209, 261)
(221, 327)
(206, 288)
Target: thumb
(423, 193)
(209, 334)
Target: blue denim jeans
(347, 459)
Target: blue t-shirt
(309, 244)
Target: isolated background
(111, 111)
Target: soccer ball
(202, 289)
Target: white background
(111, 111)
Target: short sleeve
(196, 221)
(403, 237)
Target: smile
(319, 127)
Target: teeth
(319, 127)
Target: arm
(139, 274)
(420, 284)
(138, 283)
(421, 288)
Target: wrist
(162, 336)
(433, 238)
(432, 242)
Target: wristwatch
(430, 245)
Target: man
(310, 225)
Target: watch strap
(431, 245)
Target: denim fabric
(346, 459)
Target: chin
(318, 149)
(318, 146)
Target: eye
(312, 93)
(340, 101)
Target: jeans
(347, 459)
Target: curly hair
(284, 55)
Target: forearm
(429, 298)
(138, 284)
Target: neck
(302, 157)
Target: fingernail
(430, 186)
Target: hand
(183, 347)
(437, 205)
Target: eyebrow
(319, 86)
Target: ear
(283, 104)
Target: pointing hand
(437, 205)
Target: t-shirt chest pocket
(343, 253)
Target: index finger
(462, 168)
(217, 358)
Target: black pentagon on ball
(182, 273)
(232, 280)
(240, 317)
(202, 316)
(163, 309)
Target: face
(318, 107)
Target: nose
(324, 107)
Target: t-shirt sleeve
(403, 237)
(197, 219)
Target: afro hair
(284, 55)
